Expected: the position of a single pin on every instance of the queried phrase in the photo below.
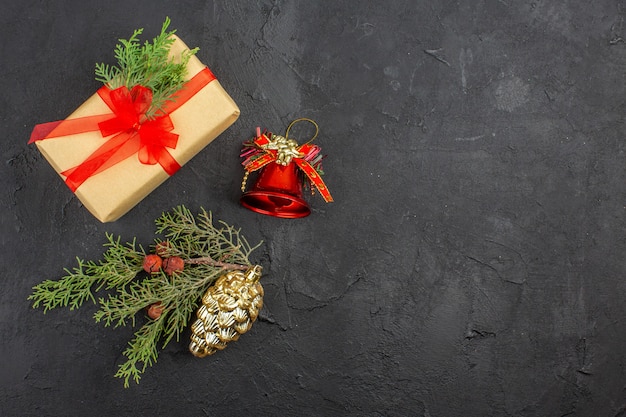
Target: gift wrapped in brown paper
(108, 164)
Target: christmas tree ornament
(285, 168)
(228, 309)
(200, 267)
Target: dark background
(471, 265)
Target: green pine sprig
(148, 65)
(219, 246)
(120, 265)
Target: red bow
(134, 133)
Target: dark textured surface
(472, 264)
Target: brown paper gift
(111, 193)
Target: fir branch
(141, 351)
(207, 248)
(201, 237)
(120, 265)
(121, 262)
(149, 65)
(72, 290)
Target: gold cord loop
(303, 119)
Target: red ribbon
(308, 170)
(134, 133)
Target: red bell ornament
(285, 168)
(277, 192)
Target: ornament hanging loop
(303, 119)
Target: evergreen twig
(208, 249)
(148, 65)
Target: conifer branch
(149, 65)
(208, 250)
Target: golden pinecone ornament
(229, 307)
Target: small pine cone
(229, 307)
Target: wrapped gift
(101, 159)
